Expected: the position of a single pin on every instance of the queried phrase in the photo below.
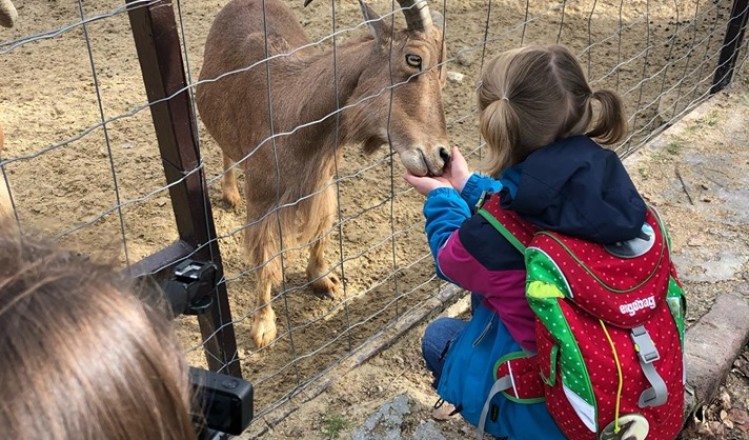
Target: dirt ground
(100, 188)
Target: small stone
(428, 431)
(464, 57)
(455, 77)
(696, 242)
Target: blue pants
(519, 420)
(436, 341)
(438, 337)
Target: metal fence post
(731, 45)
(157, 41)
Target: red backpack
(609, 328)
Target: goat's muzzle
(421, 162)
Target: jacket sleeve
(476, 187)
(444, 211)
(464, 245)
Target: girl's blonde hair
(532, 96)
(82, 357)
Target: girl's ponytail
(500, 128)
(611, 125)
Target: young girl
(542, 137)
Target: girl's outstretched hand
(457, 173)
(424, 185)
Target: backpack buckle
(644, 345)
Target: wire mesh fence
(82, 158)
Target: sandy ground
(101, 187)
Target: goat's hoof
(263, 330)
(231, 199)
(326, 287)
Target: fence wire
(82, 163)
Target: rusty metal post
(157, 42)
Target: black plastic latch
(190, 288)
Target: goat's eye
(413, 60)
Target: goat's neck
(320, 99)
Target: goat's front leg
(264, 330)
(262, 245)
(323, 284)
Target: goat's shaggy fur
(288, 178)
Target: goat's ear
(438, 20)
(377, 25)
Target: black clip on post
(189, 290)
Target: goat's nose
(444, 155)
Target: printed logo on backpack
(609, 327)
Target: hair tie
(504, 98)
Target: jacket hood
(575, 187)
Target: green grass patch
(331, 426)
(674, 147)
(711, 119)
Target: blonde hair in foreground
(82, 357)
(532, 96)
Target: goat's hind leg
(319, 221)
(229, 183)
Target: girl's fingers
(457, 154)
(413, 180)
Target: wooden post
(158, 45)
(729, 53)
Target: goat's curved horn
(8, 13)
(417, 15)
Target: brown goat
(288, 178)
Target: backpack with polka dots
(609, 328)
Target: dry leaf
(725, 400)
(743, 427)
(739, 416)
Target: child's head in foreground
(532, 96)
(82, 357)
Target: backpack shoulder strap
(513, 228)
